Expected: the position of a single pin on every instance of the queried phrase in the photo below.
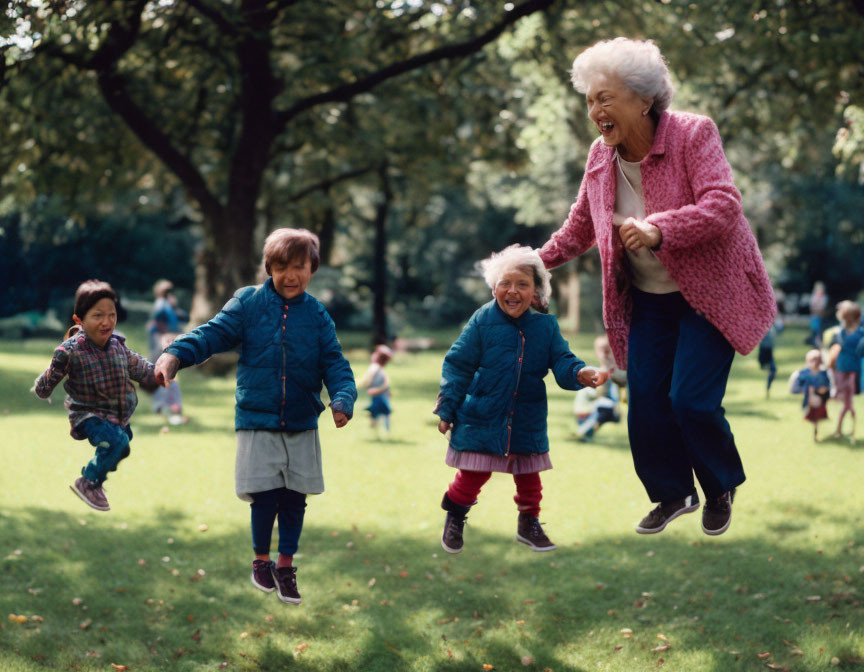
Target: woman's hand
(339, 418)
(636, 234)
(591, 377)
(166, 368)
(444, 426)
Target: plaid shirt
(98, 379)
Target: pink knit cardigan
(707, 248)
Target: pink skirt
(845, 384)
(512, 464)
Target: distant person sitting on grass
(493, 398)
(845, 353)
(100, 399)
(288, 348)
(813, 383)
(377, 383)
(594, 408)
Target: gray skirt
(270, 460)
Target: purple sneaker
(286, 584)
(262, 575)
(92, 494)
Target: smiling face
(99, 322)
(514, 292)
(291, 278)
(617, 112)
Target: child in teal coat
(493, 398)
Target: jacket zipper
(515, 391)
(284, 366)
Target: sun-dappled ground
(162, 581)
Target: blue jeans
(678, 365)
(112, 446)
(290, 507)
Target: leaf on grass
(449, 654)
(17, 618)
(661, 648)
(244, 635)
(527, 660)
(120, 668)
(85, 624)
(814, 598)
(626, 632)
(301, 647)
(772, 666)
(37, 619)
(76, 601)
(203, 527)
(795, 651)
(528, 601)
(196, 635)
(403, 573)
(618, 647)
(763, 655)
(660, 635)
(487, 666)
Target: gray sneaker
(93, 495)
(665, 512)
(717, 513)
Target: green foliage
(47, 255)
(849, 145)
(379, 593)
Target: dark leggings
(289, 506)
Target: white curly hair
(638, 63)
(522, 258)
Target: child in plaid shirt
(100, 399)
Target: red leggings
(467, 484)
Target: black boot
(454, 524)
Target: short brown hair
(285, 245)
(89, 293)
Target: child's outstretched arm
(51, 377)
(337, 374)
(457, 372)
(224, 332)
(141, 370)
(570, 372)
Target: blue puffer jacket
(287, 349)
(492, 387)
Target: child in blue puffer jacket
(288, 348)
(493, 398)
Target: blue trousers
(290, 507)
(678, 365)
(112, 445)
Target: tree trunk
(379, 262)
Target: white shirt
(646, 271)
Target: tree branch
(217, 17)
(344, 92)
(329, 182)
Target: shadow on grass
(379, 600)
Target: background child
(377, 384)
(288, 348)
(594, 408)
(493, 396)
(813, 383)
(100, 399)
(845, 353)
(766, 352)
(163, 327)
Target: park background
(164, 139)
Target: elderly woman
(684, 285)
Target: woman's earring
(644, 112)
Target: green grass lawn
(144, 586)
